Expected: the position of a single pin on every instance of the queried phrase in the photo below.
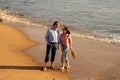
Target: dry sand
(15, 64)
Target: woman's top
(65, 39)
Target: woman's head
(66, 30)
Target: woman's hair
(68, 31)
(55, 23)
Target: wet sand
(95, 60)
(15, 64)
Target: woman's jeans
(51, 49)
(64, 57)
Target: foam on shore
(105, 39)
(15, 18)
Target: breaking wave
(9, 16)
(115, 40)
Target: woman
(66, 43)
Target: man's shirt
(52, 36)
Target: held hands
(58, 47)
(49, 44)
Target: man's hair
(55, 23)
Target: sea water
(97, 17)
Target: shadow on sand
(22, 67)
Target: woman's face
(64, 31)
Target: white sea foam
(15, 18)
(115, 40)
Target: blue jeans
(51, 49)
(64, 57)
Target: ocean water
(97, 17)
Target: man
(53, 40)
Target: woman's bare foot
(44, 69)
(62, 68)
(67, 67)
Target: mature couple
(54, 39)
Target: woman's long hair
(68, 31)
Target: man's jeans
(51, 49)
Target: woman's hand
(70, 47)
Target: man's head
(56, 24)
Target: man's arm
(47, 37)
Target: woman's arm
(70, 41)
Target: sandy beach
(15, 64)
(95, 60)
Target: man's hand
(58, 47)
(49, 44)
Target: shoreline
(15, 63)
(79, 32)
(82, 33)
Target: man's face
(57, 25)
